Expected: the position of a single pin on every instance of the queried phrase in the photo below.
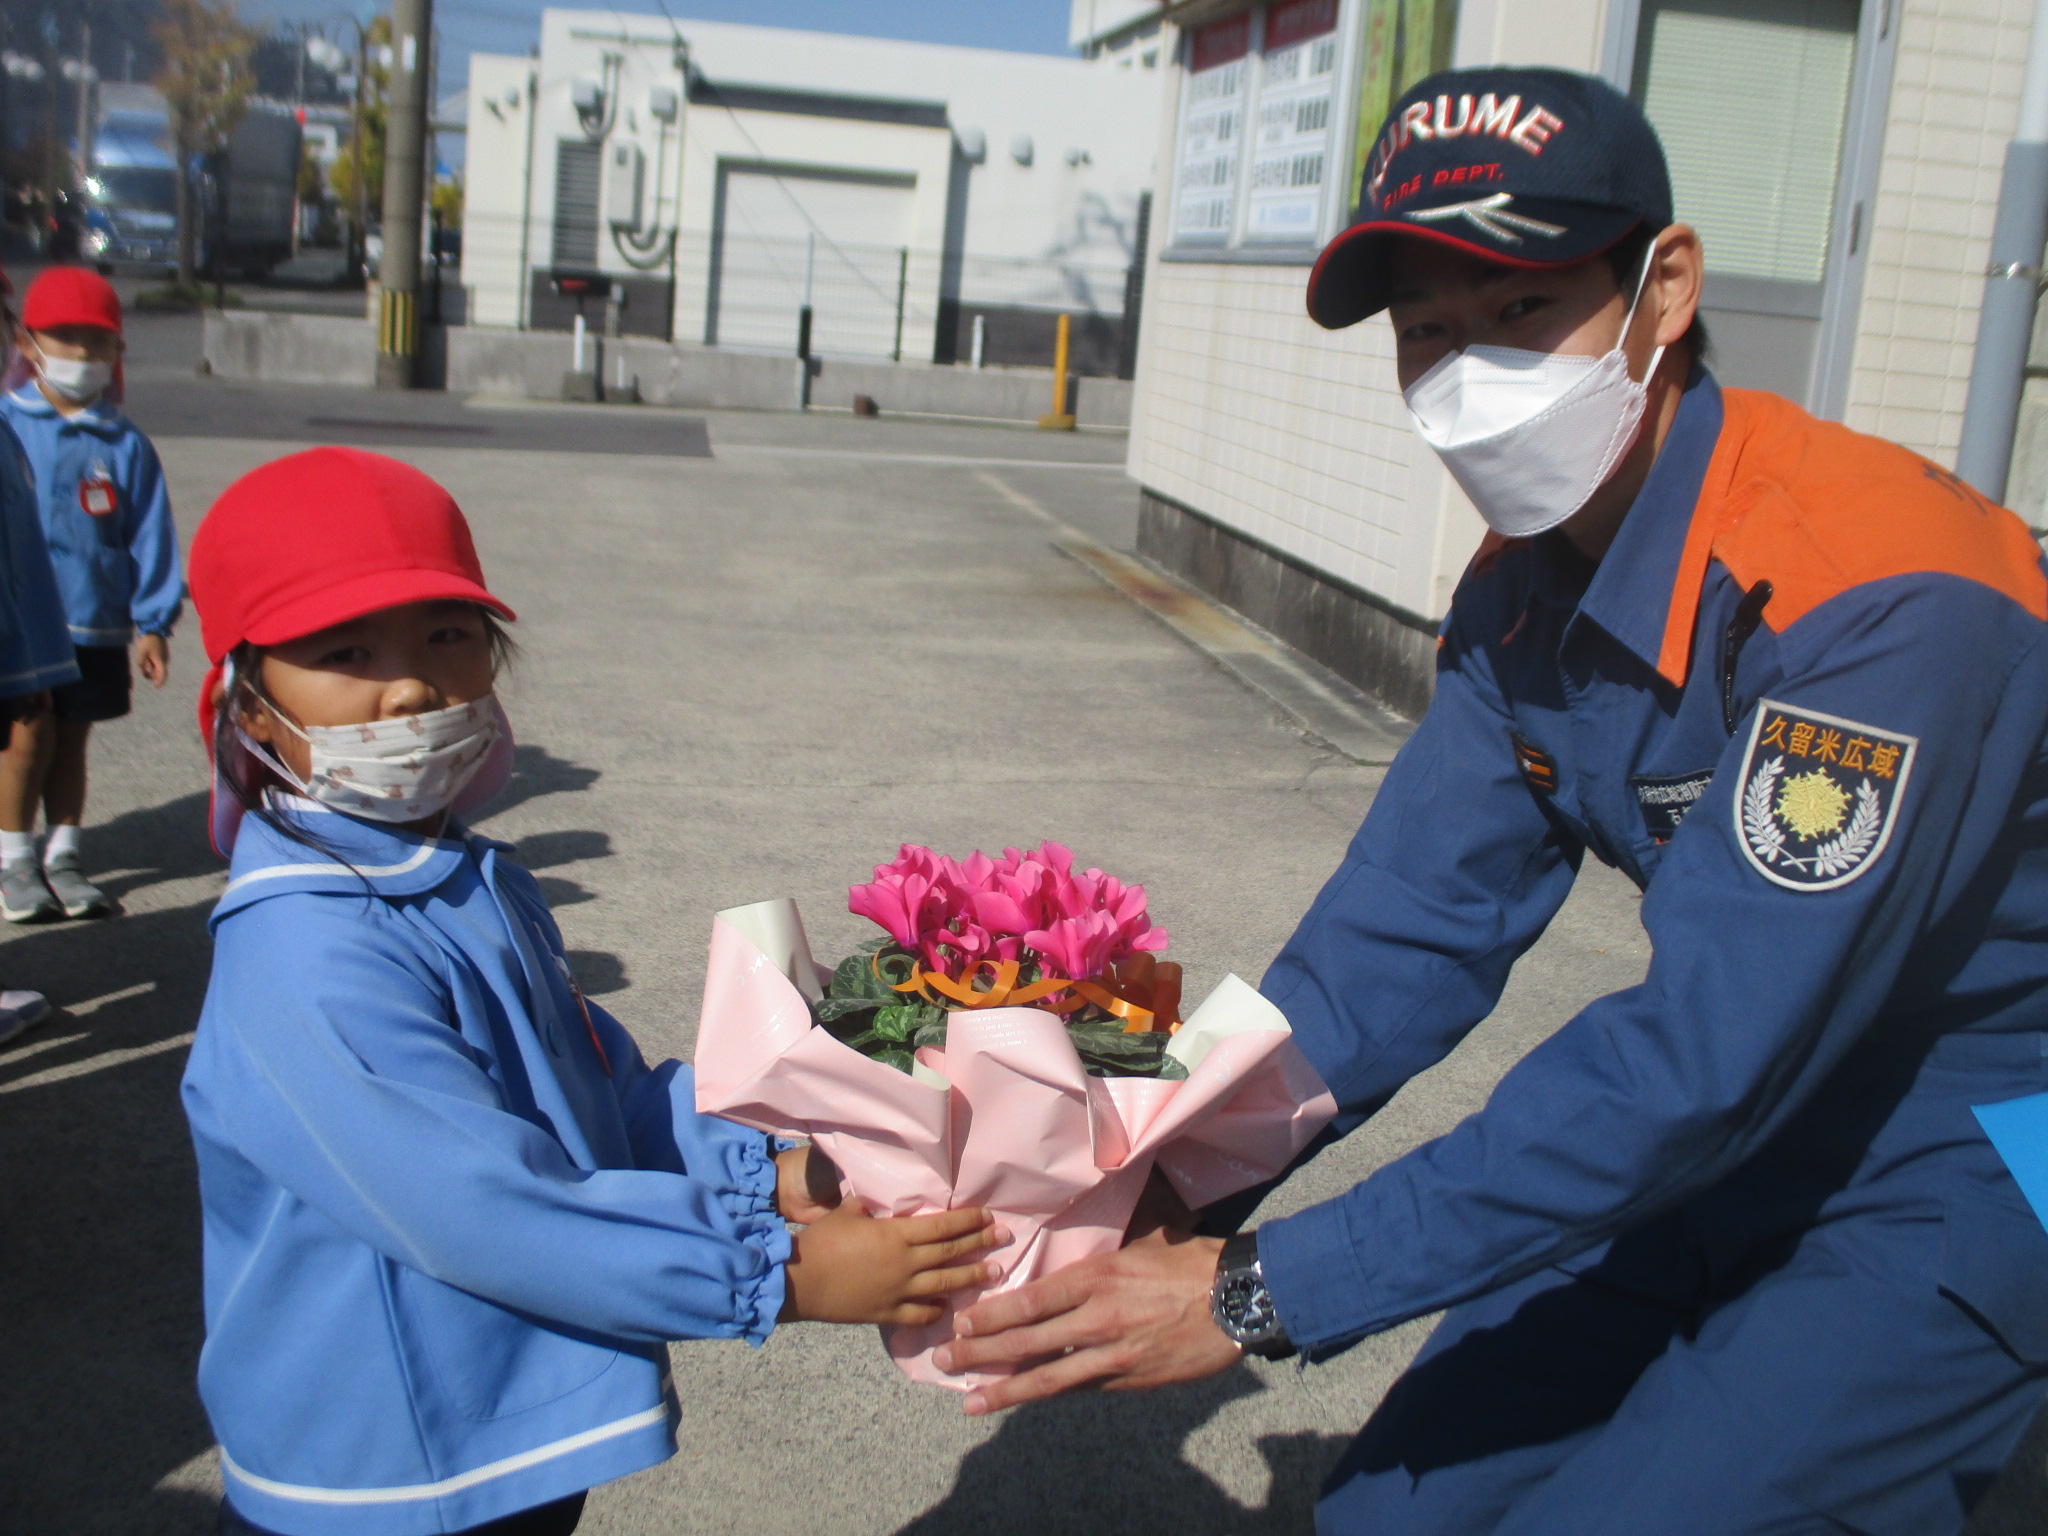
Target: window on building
(1280, 104)
(1756, 176)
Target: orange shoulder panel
(1816, 509)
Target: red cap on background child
(312, 540)
(71, 296)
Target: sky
(513, 26)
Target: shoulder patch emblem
(1818, 795)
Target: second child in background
(107, 520)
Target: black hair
(1625, 259)
(243, 670)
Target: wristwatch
(1241, 1304)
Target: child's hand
(806, 1184)
(153, 659)
(850, 1267)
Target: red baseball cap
(315, 539)
(71, 296)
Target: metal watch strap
(1241, 1304)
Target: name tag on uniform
(96, 496)
(1665, 801)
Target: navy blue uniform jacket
(1838, 817)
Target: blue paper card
(2018, 1128)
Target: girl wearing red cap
(452, 1218)
(107, 518)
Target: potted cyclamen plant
(1022, 930)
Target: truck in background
(244, 197)
(131, 197)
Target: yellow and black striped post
(398, 330)
(406, 149)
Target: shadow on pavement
(1112, 1461)
(164, 406)
(99, 1216)
(99, 1220)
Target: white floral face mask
(393, 770)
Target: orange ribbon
(1140, 991)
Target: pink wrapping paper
(1004, 1117)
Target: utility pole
(2012, 284)
(405, 157)
(359, 216)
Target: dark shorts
(103, 689)
(557, 1519)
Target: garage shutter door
(771, 221)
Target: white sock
(16, 846)
(60, 839)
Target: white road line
(97, 1063)
(721, 450)
(16, 1055)
(95, 1004)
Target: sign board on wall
(1211, 130)
(1291, 137)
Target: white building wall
(1068, 149)
(497, 118)
(1954, 103)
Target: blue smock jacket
(117, 568)
(1839, 820)
(449, 1223)
(35, 643)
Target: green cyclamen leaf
(931, 1034)
(830, 1008)
(898, 1058)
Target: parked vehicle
(131, 202)
(243, 197)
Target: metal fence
(746, 292)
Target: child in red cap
(452, 1218)
(107, 519)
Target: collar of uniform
(1631, 592)
(390, 862)
(99, 414)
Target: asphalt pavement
(748, 669)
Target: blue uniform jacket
(449, 1224)
(117, 568)
(1836, 807)
(35, 642)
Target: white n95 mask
(393, 770)
(75, 379)
(1530, 436)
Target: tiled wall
(1256, 417)
(1954, 101)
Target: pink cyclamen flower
(906, 897)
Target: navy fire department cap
(1531, 167)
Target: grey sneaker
(78, 896)
(24, 894)
(21, 1011)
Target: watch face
(1247, 1307)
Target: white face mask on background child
(75, 378)
(1530, 436)
(398, 770)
